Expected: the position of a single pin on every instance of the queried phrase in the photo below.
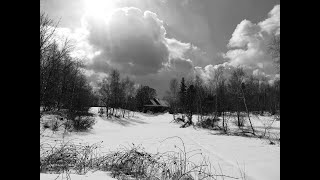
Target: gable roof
(163, 103)
(154, 102)
(157, 102)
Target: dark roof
(163, 103)
(157, 103)
(154, 102)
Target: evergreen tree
(182, 95)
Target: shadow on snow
(124, 121)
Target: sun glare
(99, 8)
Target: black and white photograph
(160, 89)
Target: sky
(153, 41)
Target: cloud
(132, 41)
(177, 49)
(201, 58)
(135, 43)
(244, 33)
(249, 42)
(207, 73)
(258, 72)
(272, 24)
(93, 77)
(160, 81)
(181, 65)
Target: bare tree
(218, 79)
(200, 94)
(143, 95)
(237, 85)
(105, 92)
(54, 60)
(115, 89)
(172, 96)
(128, 90)
(47, 29)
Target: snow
(231, 154)
(98, 175)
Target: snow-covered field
(256, 157)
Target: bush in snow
(101, 111)
(66, 157)
(83, 123)
(208, 123)
(55, 126)
(68, 125)
(46, 125)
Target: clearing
(229, 154)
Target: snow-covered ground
(98, 175)
(258, 159)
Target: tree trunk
(238, 113)
(245, 104)
(223, 123)
(123, 112)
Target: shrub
(68, 125)
(83, 123)
(101, 111)
(55, 126)
(208, 123)
(46, 125)
(66, 157)
(179, 119)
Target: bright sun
(99, 8)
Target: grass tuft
(126, 163)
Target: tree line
(119, 95)
(62, 82)
(238, 93)
(63, 85)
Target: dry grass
(131, 162)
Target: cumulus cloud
(177, 49)
(133, 42)
(249, 42)
(248, 48)
(244, 33)
(181, 65)
(207, 73)
(272, 24)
